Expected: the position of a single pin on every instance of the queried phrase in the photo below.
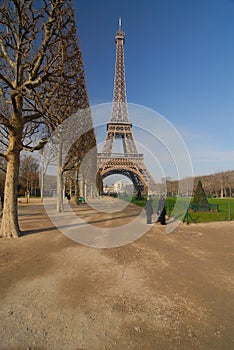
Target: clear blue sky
(179, 61)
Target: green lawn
(225, 211)
(225, 208)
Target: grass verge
(225, 208)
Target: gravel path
(161, 292)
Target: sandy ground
(161, 292)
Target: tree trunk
(225, 192)
(221, 188)
(77, 189)
(10, 225)
(85, 190)
(70, 186)
(59, 179)
(42, 184)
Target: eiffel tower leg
(107, 148)
(129, 144)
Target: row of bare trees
(215, 185)
(42, 83)
(218, 185)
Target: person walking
(149, 210)
(161, 211)
(2, 200)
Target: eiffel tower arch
(129, 163)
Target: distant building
(119, 187)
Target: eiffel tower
(129, 163)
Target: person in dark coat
(2, 200)
(149, 210)
(68, 197)
(161, 211)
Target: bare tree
(83, 152)
(36, 82)
(29, 175)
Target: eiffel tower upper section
(119, 125)
(119, 106)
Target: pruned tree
(199, 197)
(40, 79)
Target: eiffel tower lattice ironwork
(129, 163)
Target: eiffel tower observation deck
(129, 163)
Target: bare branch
(49, 30)
(2, 169)
(5, 54)
(2, 155)
(7, 80)
(39, 146)
(33, 117)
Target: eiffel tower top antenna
(120, 24)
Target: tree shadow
(86, 222)
(38, 230)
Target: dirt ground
(161, 292)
